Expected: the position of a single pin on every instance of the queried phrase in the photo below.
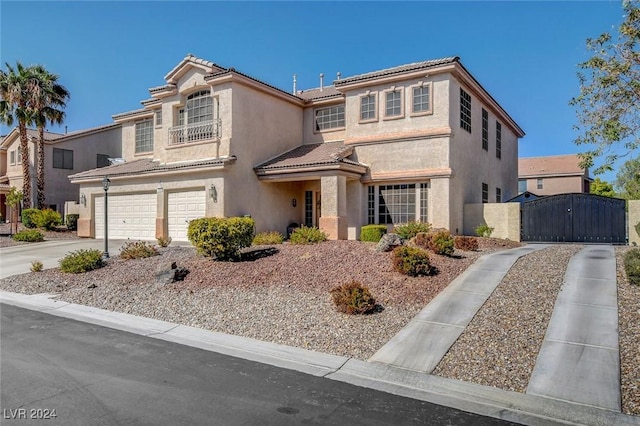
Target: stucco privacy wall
(633, 214)
(503, 217)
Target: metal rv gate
(584, 218)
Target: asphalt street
(91, 375)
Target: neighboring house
(65, 154)
(413, 142)
(556, 174)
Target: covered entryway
(131, 216)
(181, 208)
(584, 218)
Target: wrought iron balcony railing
(194, 132)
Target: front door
(312, 208)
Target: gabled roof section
(320, 154)
(31, 134)
(553, 165)
(415, 66)
(232, 71)
(319, 94)
(188, 62)
(147, 166)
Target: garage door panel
(183, 207)
(130, 216)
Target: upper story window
(19, 155)
(539, 184)
(522, 185)
(159, 117)
(199, 107)
(102, 160)
(330, 118)
(485, 129)
(498, 195)
(12, 157)
(62, 158)
(144, 136)
(368, 107)
(485, 193)
(421, 99)
(465, 110)
(498, 140)
(393, 103)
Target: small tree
(602, 187)
(13, 201)
(628, 180)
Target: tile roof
(233, 70)
(398, 70)
(315, 94)
(550, 165)
(146, 166)
(311, 155)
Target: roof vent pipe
(338, 75)
(65, 130)
(294, 84)
(321, 81)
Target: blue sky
(109, 53)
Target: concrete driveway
(17, 259)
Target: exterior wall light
(105, 185)
(213, 193)
(294, 202)
(160, 189)
(83, 200)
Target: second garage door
(130, 216)
(183, 207)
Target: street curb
(470, 397)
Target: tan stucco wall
(503, 217)
(552, 185)
(311, 135)
(634, 218)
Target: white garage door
(130, 216)
(183, 207)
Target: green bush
(465, 243)
(307, 235)
(72, 222)
(82, 261)
(47, 219)
(411, 229)
(29, 236)
(412, 261)
(484, 230)
(28, 218)
(353, 298)
(268, 238)
(164, 241)
(372, 233)
(632, 265)
(441, 242)
(137, 250)
(221, 238)
(36, 266)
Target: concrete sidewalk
(422, 343)
(579, 360)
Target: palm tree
(15, 86)
(48, 99)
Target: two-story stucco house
(553, 174)
(65, 154)
(413, 142)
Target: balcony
(194, 132)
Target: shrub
(36, 266)
(28, 217)
(411, 229)
(484, 230)
(72, 222)
(29, 236)
(267, 238)
(164, 241)
(221, 238)
(632, 265)
(465, 243)
(47, 219)
(353, 298)
(412, 261)
(137, 250)
(307, 235)
(441, 242)
(372, 233)
(81, 261)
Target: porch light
(160, 189)
(105, 185)
(213, 193)
(83, 200)
(294, 202)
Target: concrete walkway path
(579, 360)
(422, 343)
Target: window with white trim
(421, 99)
(393, 103)
(465, 110)
(62, 159)
(522, 185)
(199, 107)
(485, 130)
(19, 155)
(159, 117)
(368, 107)
(498, 140)
(539, 184)
(144, 136)
(329, 118)
(398, 203)
(12, 157)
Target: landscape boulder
(168, 273)
(388, 242)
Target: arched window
(199, 107)
(195, 120)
